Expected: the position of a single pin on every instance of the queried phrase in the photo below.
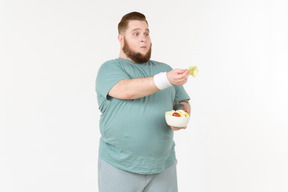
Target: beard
(136, 56)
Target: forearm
(133, 88)
(184, 105)
(141, 87)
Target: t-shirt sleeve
(109, 74)
(181, 94)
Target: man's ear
(121, 40)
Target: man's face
(136, 43)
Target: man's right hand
(178, 76)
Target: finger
(178, 128)
(183, 75)
(175, 128)
(181, 79)
(181, 71)
(186, 73)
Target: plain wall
(50, 52)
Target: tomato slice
(176, 114)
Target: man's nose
(143, 38)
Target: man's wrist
(161, 81)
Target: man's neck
(124, 56)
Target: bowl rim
(175, 116)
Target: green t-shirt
(134, 134)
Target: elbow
(129, 95)
(124, 95)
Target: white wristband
(161, 81)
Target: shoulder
(161, 65)
(110, 64)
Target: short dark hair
(123, 24)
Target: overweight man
(137, 150)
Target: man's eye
(146, 34)
(136, 34)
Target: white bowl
(176, 121)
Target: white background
(50, 52)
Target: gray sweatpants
(112, 179)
